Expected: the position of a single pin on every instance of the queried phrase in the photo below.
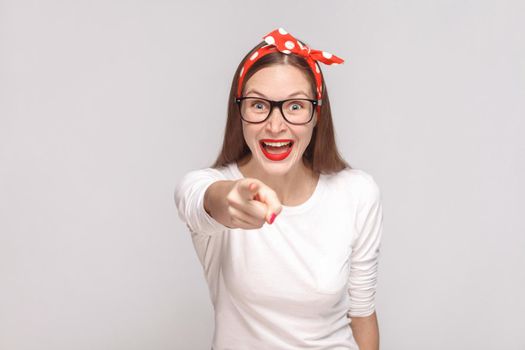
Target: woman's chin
(276, 167)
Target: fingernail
(272, 218)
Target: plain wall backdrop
(105, 105)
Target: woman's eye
(295, 106)
(258, 105)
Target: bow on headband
(280, 40)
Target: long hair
(321, 155)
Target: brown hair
(321, 155)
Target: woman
(287, 232)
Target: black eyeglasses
(296, 111)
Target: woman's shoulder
(225, 172)
(356, 181)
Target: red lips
(276, 140)
(278, 156)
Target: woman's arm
(215, 201)
(364, 267)
(189, 198)
(366, 332)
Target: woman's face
(278, 82)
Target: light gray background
(104, 105)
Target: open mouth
(277, 147)
(276, 150)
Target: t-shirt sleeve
(365, 251)
(189, 199)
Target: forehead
(278, 80)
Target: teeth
(276, 144)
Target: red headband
(280, 40)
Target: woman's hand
(245, 203)
(250, 203)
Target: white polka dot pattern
(279, 40)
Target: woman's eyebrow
(291, 95)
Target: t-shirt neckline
(296, 209)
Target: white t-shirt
(295, 283)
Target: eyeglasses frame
(277, 104)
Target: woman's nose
(276, 121)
